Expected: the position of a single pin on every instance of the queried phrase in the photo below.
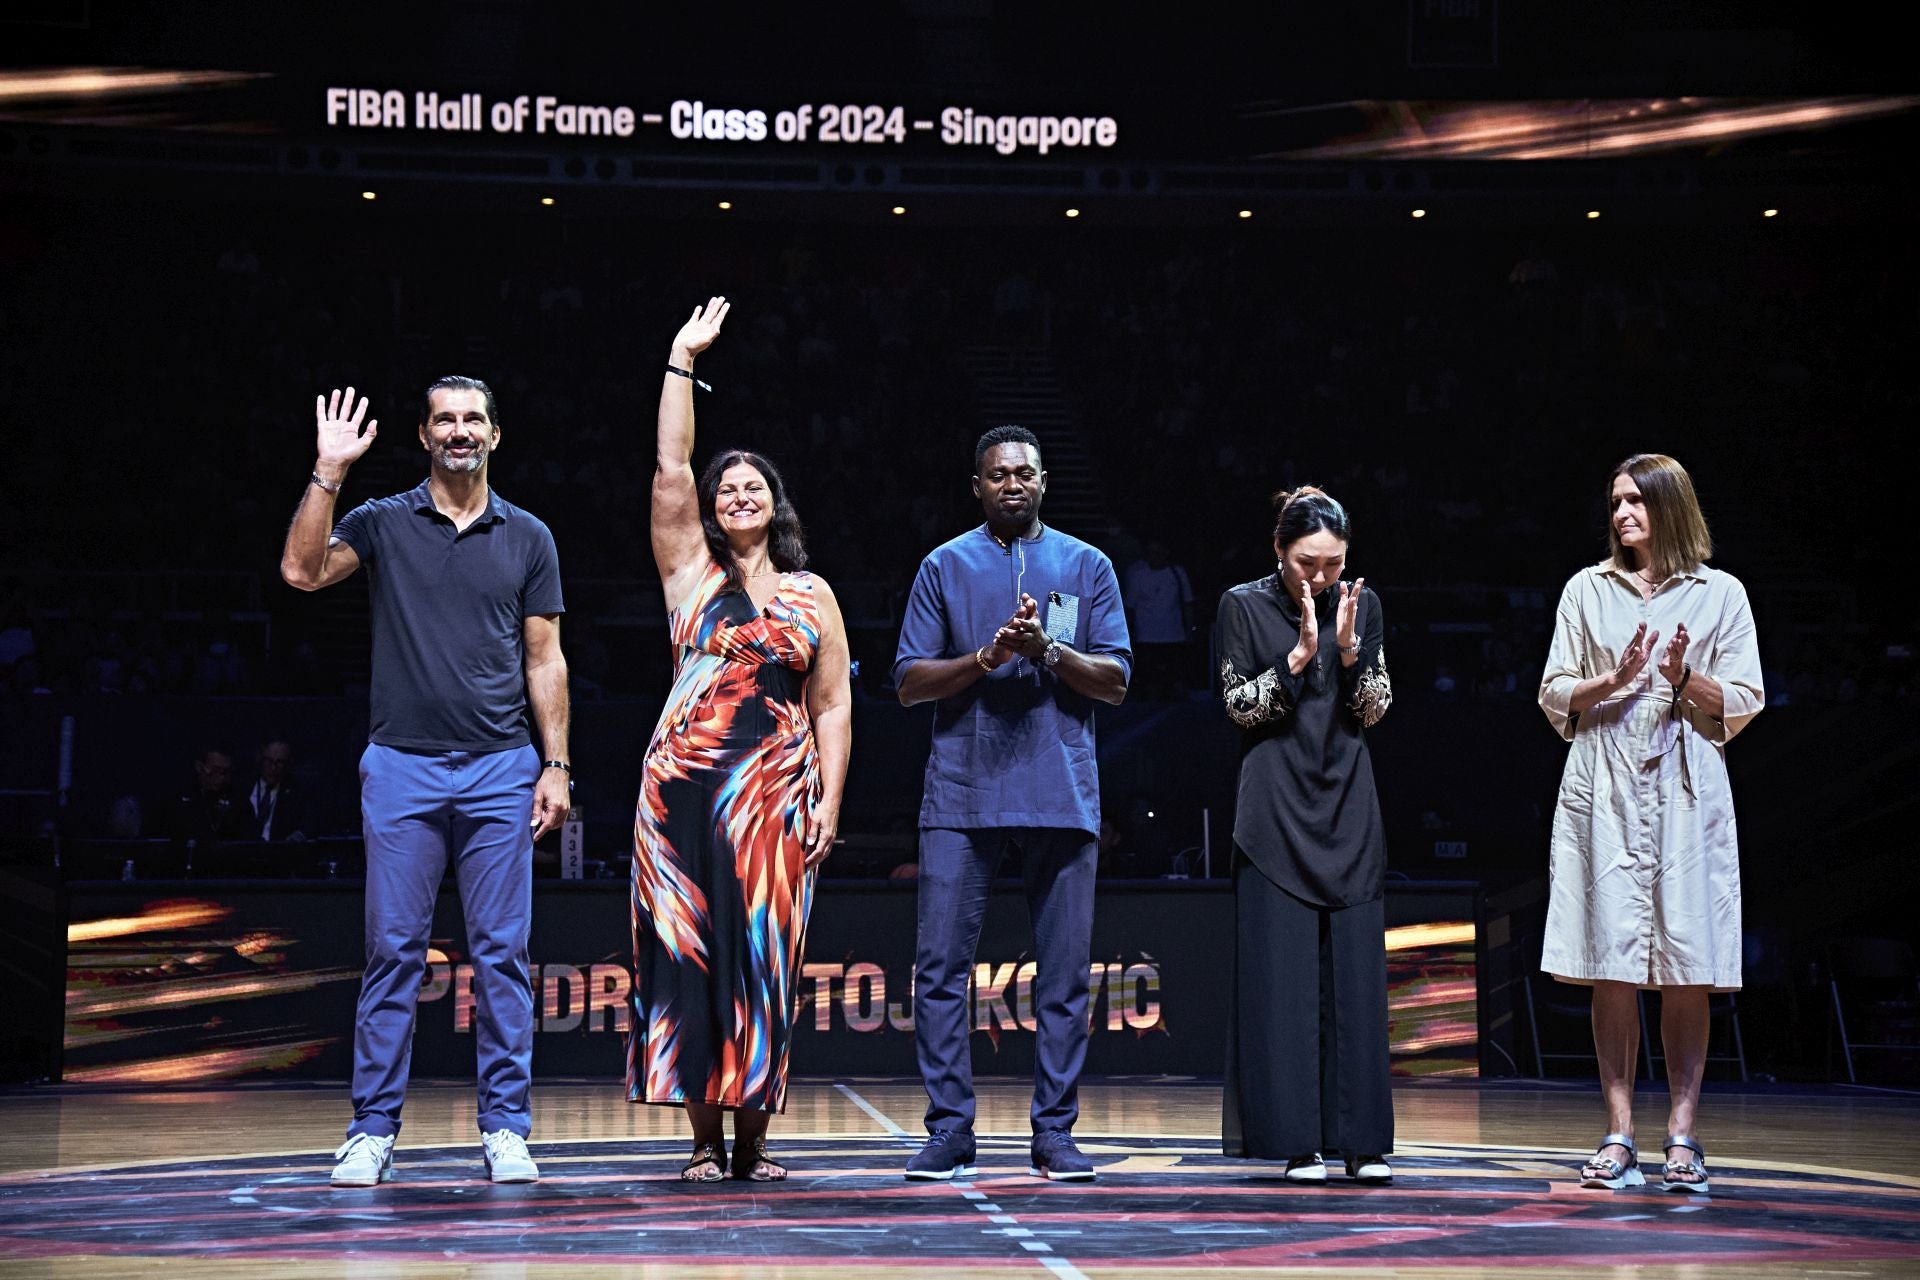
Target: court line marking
(885, 1121)
(1057, 1265)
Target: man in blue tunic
(1014, 630)
(465, 591)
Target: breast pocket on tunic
(1063, 617)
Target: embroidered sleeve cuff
(1372, 692)
(1254, 702)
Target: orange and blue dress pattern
(721, 890)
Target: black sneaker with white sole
(1055, 1157)
(948, 1154)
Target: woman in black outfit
(1302, 671)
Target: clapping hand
(698, 333)
(341, 442)
(1635, 656)
(1347, 618)
(1309, 643)
(1023, 633)
(1673, 659)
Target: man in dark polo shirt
(466, 641)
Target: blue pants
(956, 870)
(417, 807)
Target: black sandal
(707, 1153)
(747, 1164)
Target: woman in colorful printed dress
(1303, 670)
(1645, 866)
(741, 795)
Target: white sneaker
(1373, 1170)
(506, 1156)
(1306, 1169)
(364, 1160)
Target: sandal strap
(707, 1153)
(1690, 1143)
(1607, 1165)
(1613, 1169)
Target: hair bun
(1283, 498)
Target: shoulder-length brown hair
(1678, 540)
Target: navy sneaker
(1055, 1157)
(949, 1153)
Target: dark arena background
(1449, 259)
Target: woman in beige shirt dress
(1653, 670)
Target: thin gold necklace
(1008, 546)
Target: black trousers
(1307, 1063)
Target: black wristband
(688, 375)
(557, 764)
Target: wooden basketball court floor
(232, 1184)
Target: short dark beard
(480, 453)
(1028, 528)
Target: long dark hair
(1307, 510)
(786, 540)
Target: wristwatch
(1051, 658)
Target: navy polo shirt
(1015, 748)
(449, 618)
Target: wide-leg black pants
(1307, 1064)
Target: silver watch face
(1052, 656)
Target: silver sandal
(1686, 1175)
(1606, 1173)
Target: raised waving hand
(343, 433)
(341, 439)
(701, 328)
(679, 544)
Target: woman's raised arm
(678, 540)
